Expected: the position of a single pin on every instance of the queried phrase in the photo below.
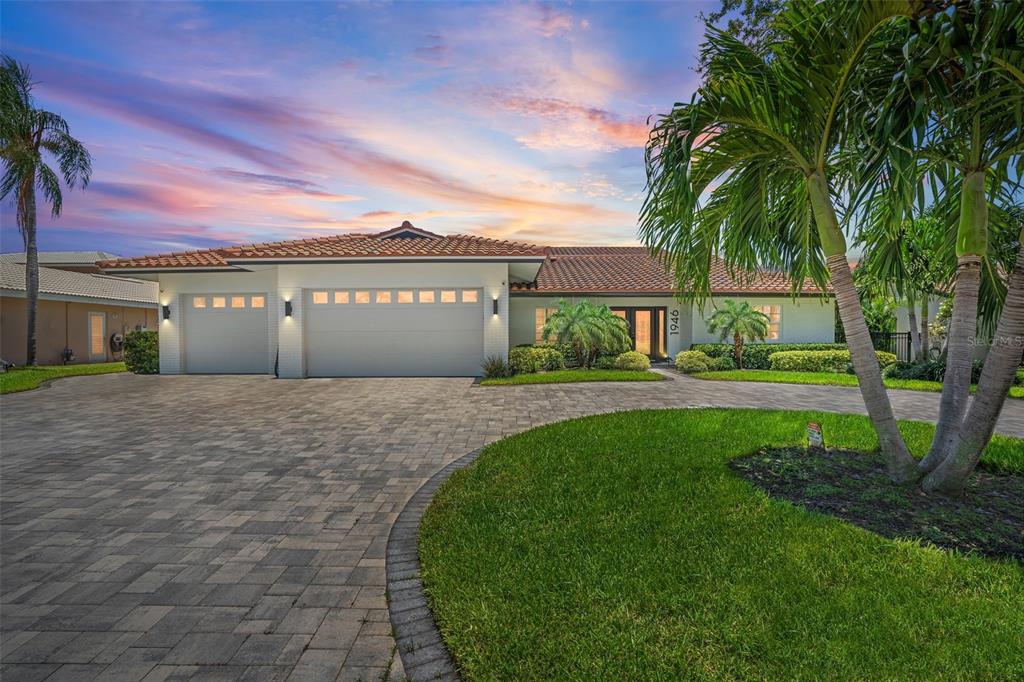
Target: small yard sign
(815, 438)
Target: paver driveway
(234, 527)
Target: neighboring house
(408, 302)
(79, 308)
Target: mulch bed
(988, 519)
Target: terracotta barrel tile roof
(629, 269)
(401, 242)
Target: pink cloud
(565, 124)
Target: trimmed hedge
(532, 359)
(565, 349)
(820, 360)
(142, 352)
(632, 360)
(690, 361)
(755, 355)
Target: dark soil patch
(988, 519)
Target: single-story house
(81, 310)
(408, 302)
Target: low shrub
(142, 352)
(935, 370)
(495, 367)
(820, 360)
(755, 355)
(722, 364)
(530, 359)
(564, 349)
(632, 360)
(932, 370)
(605, 362)
(690, 361)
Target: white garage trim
(393, 331)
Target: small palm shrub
(591, 330)
(142, 352)
(741, 322)
(495, 367)
(722, 364)
(690, 361)
(820, 360)
(632, 360)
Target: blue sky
(225, 123)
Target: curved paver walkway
(235, 527)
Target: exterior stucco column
(170, 332)
(290, 361)
(496, 326)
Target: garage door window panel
(198, 301)
(341, 297)
(426, 296)
(319, 298)
(362, 297)
(258, 301)
(383, 297)
(238, 301)
(448, 296)
(404, 297)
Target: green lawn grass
(25, 379)
(622, 547)
(568, 376)
(826, 379)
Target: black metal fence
(897, 343)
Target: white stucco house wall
(408, 302)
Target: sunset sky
(227, 123)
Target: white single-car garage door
(394, 332)
(226, 334)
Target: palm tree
(25, 133)
(763, 139)
(588, 328)
(964, 76)
(739, 321)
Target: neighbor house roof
(60, 257)
(404, 241)
(81, 284)
(633, 270)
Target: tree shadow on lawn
(987, 520)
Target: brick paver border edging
(423, 652)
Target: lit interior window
(219, 302)
(383, 297)
(362, 297)
(405, 297)
(447, 296)
(341, 297)
(774, 313)
(198, 301)
(426, 295)
(319, 297)
(238, 301)
(469, 295)
(257, 301)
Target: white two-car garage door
(394, 332)
(226, 334)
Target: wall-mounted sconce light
(287, 308)
(495, 309)
(167, 312)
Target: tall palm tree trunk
(1004, 356)
(737, 350)
(963, 325)
(899, 463)
(926, 344)
(915, 334)
(27, 223)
